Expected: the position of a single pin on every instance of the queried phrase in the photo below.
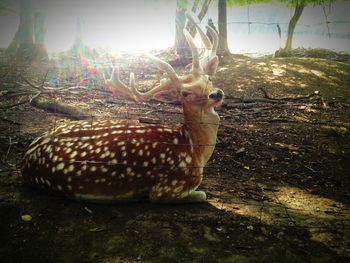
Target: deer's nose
(216, 95)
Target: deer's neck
(202, 128)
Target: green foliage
(230, 3)
(293, 3)
(182, 4)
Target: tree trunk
(292, 23)
(39, 37)
(23, 42)
(223, 46)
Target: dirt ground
(278, 182)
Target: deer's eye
(209, 78)
(185, 93)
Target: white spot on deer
(107, 153)
(84, 167)
(79, 173)
(84, 145)
(178, 189)
(104, 169)
(83, 154)
(182, 164)
(93, 168)
(105, 134)
(145, 163)
(75, 153)
(176, 141)
(154, 160)
(98, 150)
(112, 154)
(97, 181)
(49, 149)
(133, 150)
(121, 175)
(140, 131)
(114, 161)
(141, 152)
(48, 182)
(124, 153)
(160, 129)
(60, 166)
(117, 132)
(174, 182)
(123, 148)
(103, 180)
(53, 169)
(90, 147)
(99, 143)
(69, 187)
(188, 159)
(114, 173)
(57, 149)
(121, 143)
(59, 187)
(162, 156)
(70, 168)
(154, 145)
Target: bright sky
(150, 24)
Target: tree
(23, 41)
(222, 15)
(28, 42)
(298, 6)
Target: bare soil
(278, 182)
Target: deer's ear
(168, 96)
(211, 67)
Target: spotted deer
(126, 160)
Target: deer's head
(194, 90)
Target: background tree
(298, 6)
(23, 41)
(28, 42)
(222, 17)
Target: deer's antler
(201, 62)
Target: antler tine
(215, 38)
(195, 55)
(117, 87)
(204, 37)
(166, 67)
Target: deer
(128, 160)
